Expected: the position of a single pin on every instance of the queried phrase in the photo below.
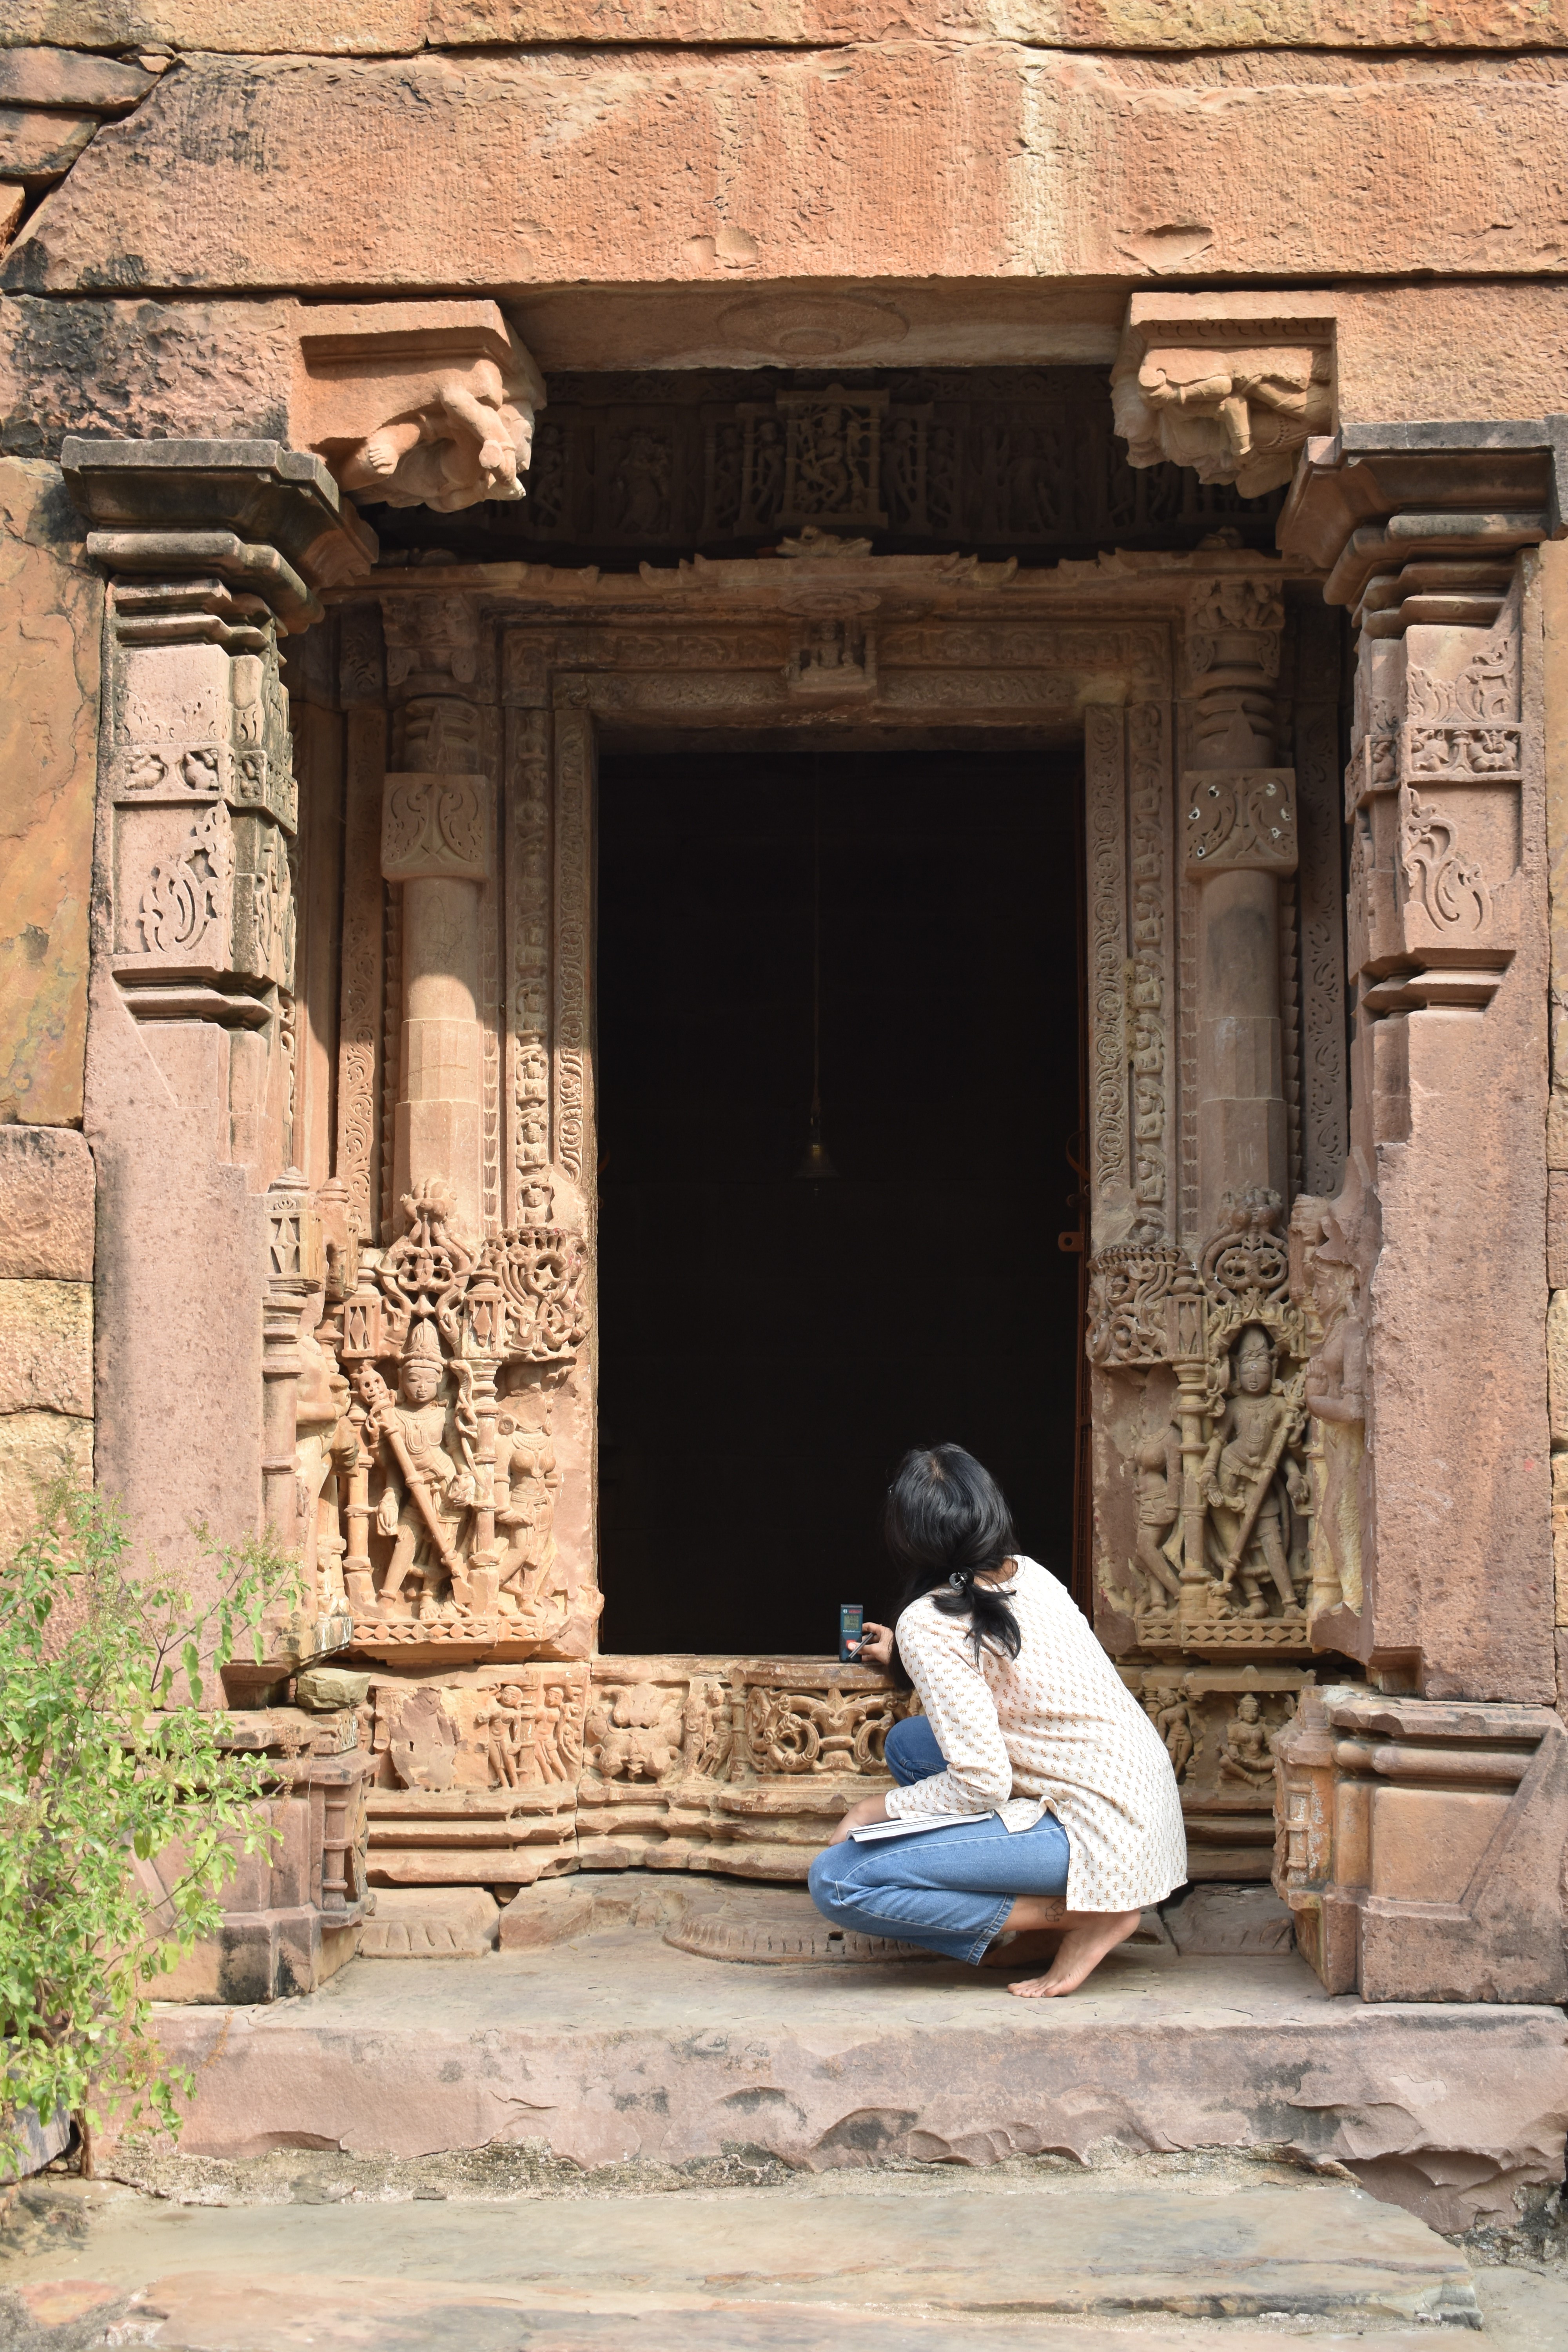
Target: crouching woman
(1027, 1727)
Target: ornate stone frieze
(1016, 457)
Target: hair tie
(961, 1579)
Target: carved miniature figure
(1158, 1457)
(508, 1727)
(1248, 1756)
(1248, 1479)
(1172, 1717)
(424, 1444)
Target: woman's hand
(876, 1645)
(869, 1809)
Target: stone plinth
(1421, 1846)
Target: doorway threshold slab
(619, 2051)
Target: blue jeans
(949, 1890)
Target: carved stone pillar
(1425, 1277)
(214, 548)
(1238, 819)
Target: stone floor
(1230, 2255)
(615, 2050)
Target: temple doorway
(774, 1329)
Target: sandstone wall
(51, 607)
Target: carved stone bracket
(1235, 399)
(417, 403)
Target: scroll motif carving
(1106, 793)
(1148, 1045)
(1244, 820)
(808, 1731)
(574, 786)
(434, 828)
(187, 896)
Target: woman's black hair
(945, 1521)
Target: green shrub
(105, 1754)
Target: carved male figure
(1247, 1757)
(1247, 1475)
(426, 1448)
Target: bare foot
(1082, 1948)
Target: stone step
(619, 2051)
(923, 2262)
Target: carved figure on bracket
(417, 403)
(1232, 411)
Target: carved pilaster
(1239, 844)
(215, 550)
(1424, 1278)
(438, 851)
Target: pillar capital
(1420, 523)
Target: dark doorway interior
(769, 1345)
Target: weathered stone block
(46, 1204)
(70, 77)
(51, 610)
(37, 1449)
(46, 1348)
(430, 1923)
(38, 147)
(830, 177)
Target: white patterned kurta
(1054, 1730)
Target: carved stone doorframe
(1148, 658)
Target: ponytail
(946, 1522)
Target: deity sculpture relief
(1249, 1481)
(1220, 1506)
(456, 1358)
